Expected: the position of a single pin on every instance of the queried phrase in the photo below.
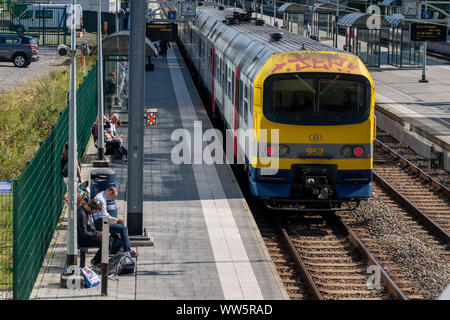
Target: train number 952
(314, 152)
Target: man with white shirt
(115, 224)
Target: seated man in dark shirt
(88, 236)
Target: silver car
(18, 49)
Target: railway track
(426, 198)
(333, 262)
(327, 256)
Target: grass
(27, 115)
(5, 241)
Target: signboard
(5, 187)
(426, 15)
(410, 9)
(152, 115)
(172, 15)
(428, 32)
(162, 31)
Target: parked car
(49, 17)
(20, 50)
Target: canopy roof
(397, 20)
(296, 8)
(359, 20)
(118, 44)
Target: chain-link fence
(39, 190)
(49, 24)
(6, 240)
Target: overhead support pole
(100, 109)
(72, 163)
(135, 181)
(424, 65)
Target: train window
(244, 110)
(210, 58)
(241, 93)
(250, 100)
(225, 77)
(245, 101)
(217, 68)
(316, 99)
(229, 83)
(221, 73)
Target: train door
(213, 78)
(223, 87)
(199, 57)
(237, 112)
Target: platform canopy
(118, 44)
(297, 8)
(397, 20)
(359, 20)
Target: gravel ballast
(420, 261)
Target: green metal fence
(37, 197)
(6, 243)
(47, 25)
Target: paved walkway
(207, 245)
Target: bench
(83, 251)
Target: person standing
(164, 45)
(308, 29)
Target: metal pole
(262, 5)
(72, 172)
(100, 139)
(105, 254)
(117, 15)
(135, 189)
(274, 11)
(424, 65)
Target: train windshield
(316, 99)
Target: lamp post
(72, 163)
(100, 139)
(135, 182)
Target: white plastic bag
(90, 277)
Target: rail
(313, 288)
(408, 203)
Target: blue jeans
(116, 228)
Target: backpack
(121, 263)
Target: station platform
(206, 243)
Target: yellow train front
(301, 113)
(322, 105)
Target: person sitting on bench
(88, 236)
(115, 224)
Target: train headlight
(270, 151)
(310, 182)
(358, 151)
(346, 151)
(284, 150)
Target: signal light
(358, 151)
(270, 150)
(346, 151)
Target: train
(319, 101)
